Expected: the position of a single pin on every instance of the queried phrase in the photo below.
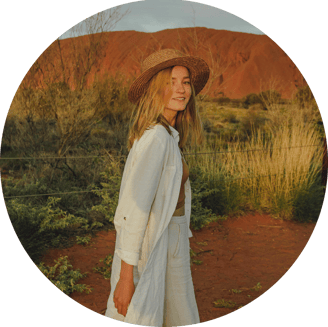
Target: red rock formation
(242, 63)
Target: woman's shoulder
(156, 133)
(156, 129)
(159, 130)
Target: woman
(151, 281)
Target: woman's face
(179, 92)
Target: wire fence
(186, 154)
(324, 164)
(91, 191)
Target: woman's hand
(124, 289)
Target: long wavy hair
(150, 112)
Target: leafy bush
(231, 118)
(256, 106)
(105, 270)
(207, 125)
(237, 103)
(200, 216)
(267, 99)
(83, 240)
(58, 119)
(250, 99)
(64, 277)
(222, 303)
(42, 226)
(221, 100)
(109, 193)
(270, 99)
(308, 202)
(250, 124)
(305, 98)
(223, 198)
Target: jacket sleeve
(138, 195)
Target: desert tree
(63, 86)
(70, 60)
(270, 93)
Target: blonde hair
(150, 112)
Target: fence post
(324, 163)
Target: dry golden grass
(279, 160)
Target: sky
(156, 15)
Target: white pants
(180, 306)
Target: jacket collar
(175, 134)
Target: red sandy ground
(241, 252)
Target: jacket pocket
(176, 251)
(179, 254)
(174, 241)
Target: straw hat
(157, 61)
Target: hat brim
(198, 68)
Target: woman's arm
(139, 191)
(124, 289)
(135, 204)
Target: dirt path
(236, 255)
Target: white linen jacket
(148, 197)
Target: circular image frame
(287, 301)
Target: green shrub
(83, 240)
(23, 187)
(221, 303)
(250, 99)
(106, 268)
(250, 124)
(109, 193)
(304, 98)
(308, 202)
(231, 118)
(221, 100)
(271, 99)
(41, 222)
(64, 277)
(207, 125)
(42, 226)
(224, 198)
(236, 103)
(200, 216)
(256, 106)
(58, 119)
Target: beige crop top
(185, 176)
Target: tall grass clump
(285, 169)
(276, 170)
(221, 193)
